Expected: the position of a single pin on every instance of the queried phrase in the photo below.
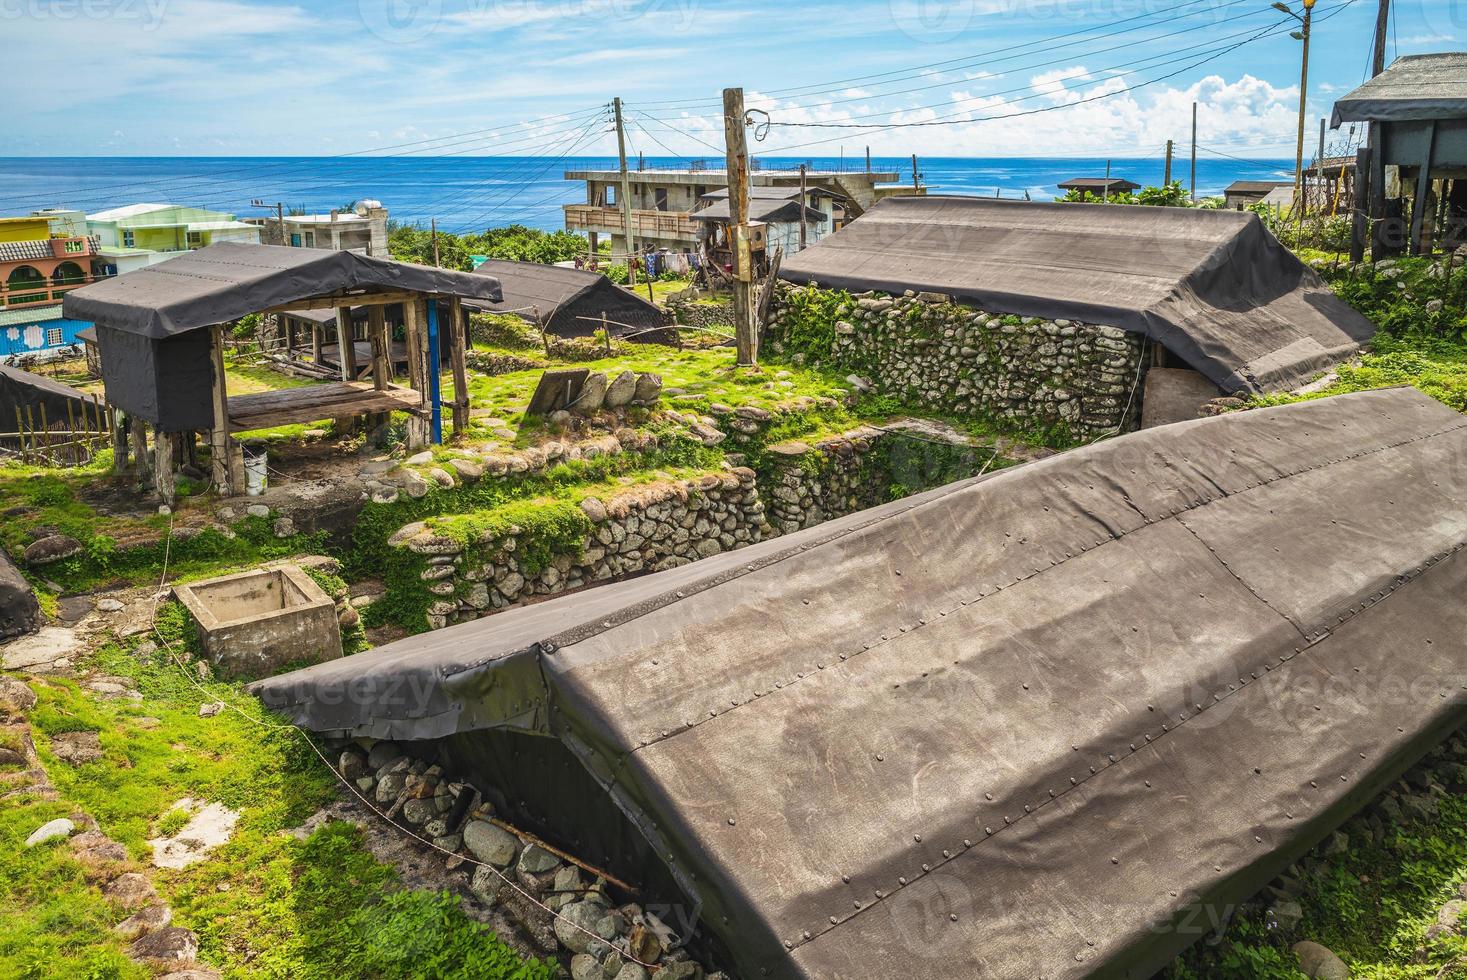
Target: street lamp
(1300, 35)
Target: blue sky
(238, 77)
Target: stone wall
(641, 529)
(1075, 379)
(714, 316)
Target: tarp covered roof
(1099, 183)
(24, 390)
(760, 209)
(227, 281)
(1214, 286)
(546, 293)
(1014, 727)
(1417, 86)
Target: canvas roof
(760, 209)
(529, 287)
(1254, 186)
(1099, 183)
(1417, 86)
(229, 280)
(1214, 286)
(964, 734)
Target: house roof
(537, 291)
(30, 314)
(1417, 86)
(1099, 183)
(226, 281)
(1254, 186)
(128, 211)
(760, 209)
(1212, 285)
(1017, 738)
(27, 250)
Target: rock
(1448, 920)
(441, 477)
(16, 697)
(593, 394)
(575, 927)
(52, 548)
(10, 757)
(40, 650)
(594, 509)
(631, 971)
(487, 886)
(194, 973)
(585, 967)
(618, 394)
(466, 469)
(95, 847)
(419, 459)
(211, 709)
(491, 844)
(1320, 963)
(61, 827)
(648, 389)
(1287, 915)
(383, 754)
(20, 611)
(679, 970)
(210, 826)
(77, 748)
(418, 812)
(149, 918)
(535, 860)
(130, 890)
(170, 945)
(257, 510)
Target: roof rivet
(806, 934)
(925, 868)
(946, 853)
(1115, 860)
(833, 920)
(917, 838)
(967, 843)
(988, 830)
(732, 821)
(846, 879)
(988, 796)
(901, 881)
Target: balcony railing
(653, 224)
(15, 295)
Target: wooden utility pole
(804, 192)
(1370, 194)
(916, 178)
(868, 159)
(436, 264)
(1193, 190)
(1167, 176)
(625, 194)
(1303, 103)
(1382, 24)
(1105, 190)
(737, 146)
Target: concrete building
(363, 229)
(139, 235)
(663, 201)
(1241, 193)
(41, 257)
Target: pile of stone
(627, 390)
(813, 483)
(708, 316)
(558, 907)
(652, 527)
(492, 363)
(1027, 372)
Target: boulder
(490, 844)
(20, 613)
(619, 393)
(77, 748)
(648, 390)
(50, 831)
(16, 698)
(171, 945)
(130, 890)
(593, 393)
(149, 918)
(51, 548)
(1319, 962)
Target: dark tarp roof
(22, 389)
(1099, 183)
(227, 281)
(1254, 186)
(1417, 86)
(1065, 726)
(555, 297)
(1212, 285)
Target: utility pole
(1166, 179)
(868, 159)
(625, 193)
(434, 224)
(1319, 167)
(1105, 190)
(1193, 190)
(736, 142)
(1302, 35)
(1382, 24)
(916, 177)
(279, 217)
(804, 194)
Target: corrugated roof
(1212, 285)
(1417, 86)
(965, 735)
(30, 314)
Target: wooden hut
(160, 334)
(1417, 111)
(570, 302)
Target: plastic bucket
(256, 472)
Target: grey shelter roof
(25, 390)
(965, 735)
(760, 209)
(1417, 86)
(1254, 186)
(1214, 286)
(1099, 184)
(556, 297)
(227, 281)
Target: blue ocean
(467, 193)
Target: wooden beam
(413, 319)
(315, 343)
(346, 347)
(163, 452)
(381, 348)
(338, 300)
(1359, 216)
(138, 432)
(219, 441)
(1423, 188)
(458, 354)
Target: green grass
(265, 905)
(1435, 366)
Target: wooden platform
(314, 403)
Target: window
(127, 239)
(310, 239)
(610, 199)
(75, 247)
(195, 239)
(54, 337)
(659, 198)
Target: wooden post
(736, 143)
(163, 451)
(1423, 186)
(458, 356)
(1380, 245)
(315, 343)
(417, 428)
(220, 442)
(381, 348)
(119, 444)
(346, 347)
(20, 428)
(1359, 222)
(624, 192)
(138, 432)
(1166, 179)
